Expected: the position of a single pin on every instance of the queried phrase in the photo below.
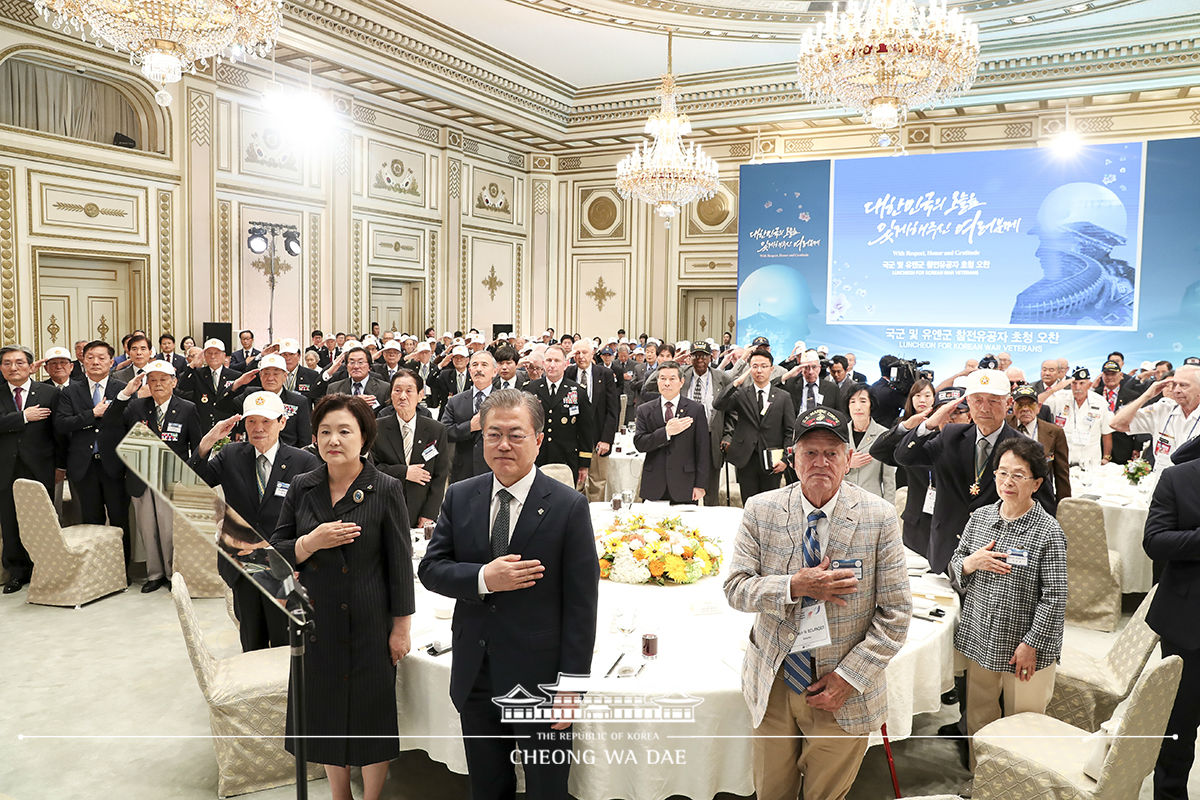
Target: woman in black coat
(345, 528)
(915, 522)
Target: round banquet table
(701, 646)
(624, 467)
(1125, 507)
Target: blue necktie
(798, 667)
(96, 397)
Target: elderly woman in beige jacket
(867, 472)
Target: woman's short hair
(1028, 450)
(513, 398)
(358, 409)
(860, 387)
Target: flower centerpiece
(637, 550)
(1137, 469)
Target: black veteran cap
(1025, 393)
(989, 362)
(1082, 374)
(760, 341)
(951, 394)
(823, 419)
(702, 348)
(1111, 366)
(1192, 361)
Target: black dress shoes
(153, 585)
(14, 585)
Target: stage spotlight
(291, 242)
(257, 241)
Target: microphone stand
(300, 623)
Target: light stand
(299, 624)
(262, 240)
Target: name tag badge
(175, 427)
(855, 564)
(930, 500)
(429, 452)
(1162, 446)
(1017, 557)
(573, 410)
(814, 628)
(281, 489)
(1061, 421)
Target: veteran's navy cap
(1025, 393)
(760, 341)
(1081, 374)
(1111, 366)
(951, 394)
(823, 419)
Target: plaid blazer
(865, 633)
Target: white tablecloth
(624, 468)
(701, 646)
(1125, 507)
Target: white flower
(627, 569)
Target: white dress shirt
(407, 430)
(1169, 428)
(520, 493)
(662, 406)
(25, 387)
(270, 454)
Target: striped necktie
(160, 414)
(798, 668)
(262, 472)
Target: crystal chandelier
(167, 37)
(883, 58)
(662, 171)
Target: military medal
(974, 490)
(564, 420)
(203, 398)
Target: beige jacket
(865, 633)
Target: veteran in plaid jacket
(865, 631)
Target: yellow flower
(676, 569)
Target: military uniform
(1084, 425)
(569, 428)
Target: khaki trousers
(984, 688)
(791, 749)
(155, 524)
(597, 479)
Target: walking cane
(887, 748)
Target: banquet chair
(196, 554)
(1088, 689)
(560, 472)
(247, 697)
(1031, 755)
(73, 565)
(1093, 570)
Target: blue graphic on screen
(1043, 257)
(1037, 240)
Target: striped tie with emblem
(262, 473)
(798, 667)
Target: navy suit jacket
(529, 635)
(951, 454)
(237, 359)
(122, 415)
(33, 443)
(675, 466)
(76, 421)
(1172, 540)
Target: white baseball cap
(447, 335)
(683, 345)
(503, 337)
(528, 348)
(263, 404)
(1147, 366)
(392, 344)
(461, 351)
(637, 350)
(369, 341)
(214, 344)
(351, 344)
(272, 360)
(423, 347)
(159, 366)
(57, 352)
(987, 381)
(289, 346)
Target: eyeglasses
(514, 439)
(1016, 477)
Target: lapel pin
(541, 511)
(358, 495)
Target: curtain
(46, 99)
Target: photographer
(890, 392)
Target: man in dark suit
(507, 372)
(317, 346)
(1172, 540)
(451, 380)
(763, 416)
(272, 372)
(299, 378)
(1118, 392)
(167, 352)
(177, 422)
(212, 387)
(389, 362)
(460, 415)
(255, 475)
(28, 449)
(413, 448)
(803, 382)
(515, 549)
(1026, 420)
(243, 359)
(673, 433)
(600, 387)
(569, 428)
(138, 348)
(421, 362)
(97, 476)
(361, 382)
(702, 384)
(851, 361)
(629, 374)
(77, 364)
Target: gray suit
(374, 385)
(877, 477)
(716, 426)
